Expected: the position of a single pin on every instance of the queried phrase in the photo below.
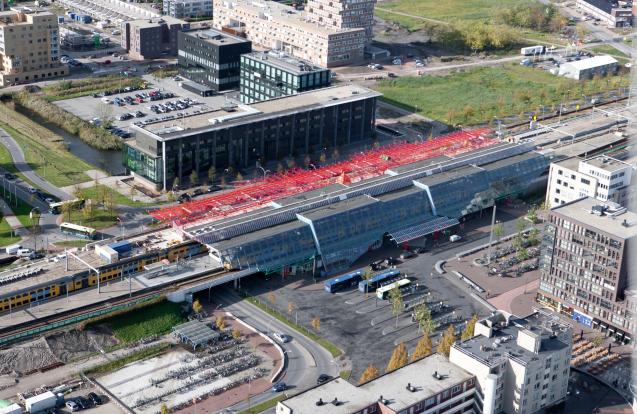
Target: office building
(280, 27)
(268, 75)
(29, 47)
(432, 385)
(152, 38)
(584, 69)
(602, 177)
(211, 58)
(584, 265)
(344, 14)
(610, 12)
(240, 135)
(185, 9)
(521, 365)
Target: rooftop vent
(383, 400)
(336, 402)
(319, 402)
(410, 387)
(625, 223)
(437, 376)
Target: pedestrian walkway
(13, 221)
(115, 182)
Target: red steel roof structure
(256, 193)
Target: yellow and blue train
(86, 279)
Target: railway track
(33, 327)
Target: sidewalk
(115, 182)
(13, 221)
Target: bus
(78, 231)
(379, 280)
(56, 208)
(382, 292)
(344, 281)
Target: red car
(107, 62)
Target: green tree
(598, 340)
(399, 358)
(396, 300)
(422, 315)
(194, 177)
(523, 254)
(367, 274)
(370, 373)
(447, 340)
(498, 231)
(469, 330)
(423, 348)
(532, 216)
(196, 306)
(212, 174)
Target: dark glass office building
(241, 135)
(268, 75)
(211, 58)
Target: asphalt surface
(305, 359)
(365, 328)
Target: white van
(454, 238)
(23, 252)
(13, 249)
(106, 100)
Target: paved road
(21, 164)
(305, 361)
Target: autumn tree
(236, 334)
(370, 373)
(196, 306)
(448, 338)
(163, 409)
(316, 323)
(367, 274)
(272, 298)
(221, 323)
(423, 348)
(396, 300)
(399, 358)
(498, 231)
(469, 330)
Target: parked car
(279, 387)
(391, 261)
(213, 188)
(9, 176)
(83, 403)
(72, 405)
(420, 250)
(454, 238)
(197, 192)
(281, 337)
(32, 190)
(407, 254)
(323, 378)
(95, 399)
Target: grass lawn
(21, 210)
(114, 365)
(72, 243)
(155, 319)
(477, 95)
(256, 409)
(68, 89)
(96, 193)
(6, 237)
(609, 50)
(44, 151)
(100, 219)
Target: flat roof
(503, 342)
(234, 114)
(284, 61)
(606, 163)
(399, 169)
(603, 5)
(450, 175)
(257, 235)
(337, 208)
(156, 21)
(580, 210)
(512, 160)
(591, 62)
(399, 193)
(307, 195)
(571, 163)
(274, 11)
(392, 386)
(215, 37)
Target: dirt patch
(26, 357)
(74, 344)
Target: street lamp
(35, 215)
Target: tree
(193, 177)
(272, 298)
(176, 183)
(66, 209)
(221, 323)
(316, 323)
(422, 315)
(292, 309)
(532, 215)
(322, 158)
(212, 174)
(523, 254)
(423, 348)
(469, 330)
(451, 116)
(598, 340)
(163, 409)
(236, 334)
(498, 231)
(133, 192)
(335, 154)
(468, 112)
(399, 358)
(367, 274)
(239, 177)
(448, 338)
(534, 236)
(396, 300)
(196, 306)
(370, 373)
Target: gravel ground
(26, 357)
(71, 345)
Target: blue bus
(379, 280)
(344, 281)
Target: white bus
(382, 293)
(78, 231)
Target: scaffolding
(254, 194)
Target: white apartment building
(344, 14)
(280, 27)
(29, 47)
(521, 364)
(602, 177)
(611, 13)
(182, 9)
